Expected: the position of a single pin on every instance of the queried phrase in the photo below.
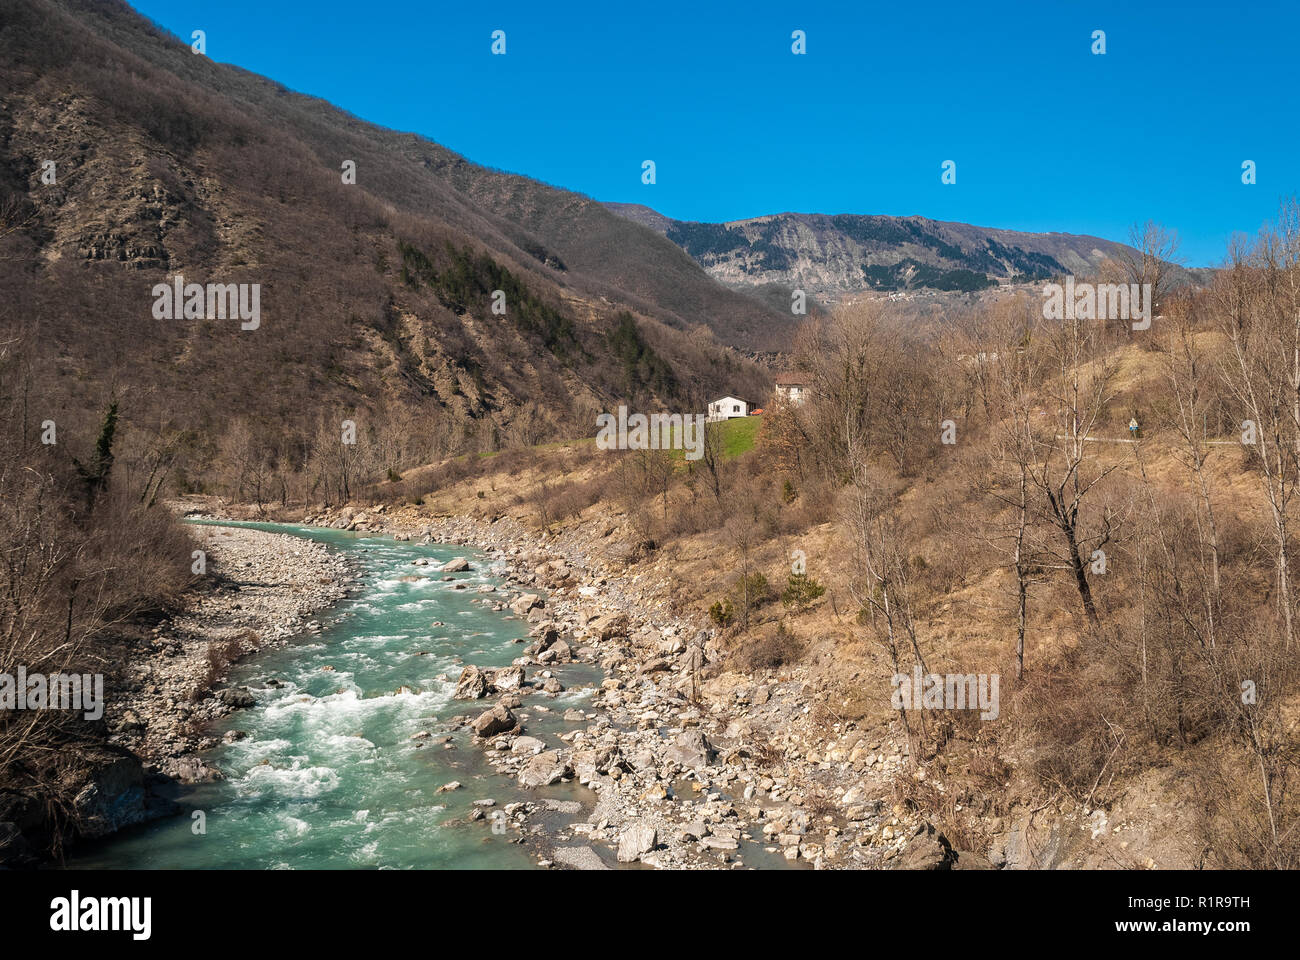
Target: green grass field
(738, 435)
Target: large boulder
(455, 566)
(497, 720)
(544, 769)
(609, 627)
(928, 850)
(113, 794)
(528, 745)
(508, 679)
(236, 697)
(638, 839)
(691, 749)
(589, 764)
(546, 633)
(691, 660)
(472, 685)
(557, 652)
(524, 603)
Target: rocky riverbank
(690, 765)
(258, 589)
(690, 761)
(163, 686)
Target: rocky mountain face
(830, 256)
(127, 160)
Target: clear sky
(1045, 134)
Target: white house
(728, 407)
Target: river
(328, 775)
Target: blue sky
(1046, 135)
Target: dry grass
(1083, 724)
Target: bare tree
(1150, 258)
(882, 590)
(1065, 472)
(1001, 348)
(1258, 306)
(1189, 375)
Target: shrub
(723, 612)
(801, 590)
(770, 651)
(753, 590)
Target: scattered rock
(507, 679)
(523, 604)
(609, 627)
(580, 858)
(472, 684)
(692, 750)
(928, 850)
(637, 840)
(497, 720)
(544, 769)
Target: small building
(727, 408)
(793, 388)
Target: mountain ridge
(831, 255)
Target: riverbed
(340, 761)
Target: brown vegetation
(83, 553)
(1135, 591)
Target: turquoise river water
(328, 776)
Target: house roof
(737, 399)
(791, 380)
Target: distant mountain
(832, 255)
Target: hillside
(829, 256)
(373, 296)
(1122, 739)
